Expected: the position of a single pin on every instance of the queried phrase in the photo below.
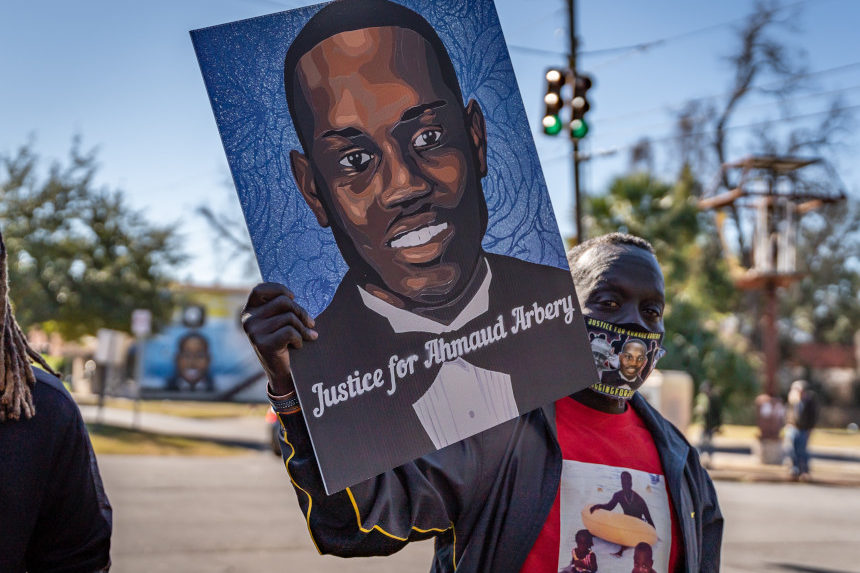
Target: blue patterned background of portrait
(242, 64)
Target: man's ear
(304, 176)
(477, 131)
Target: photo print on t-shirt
(630, 519)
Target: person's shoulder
(345, 323)
(49, 394)
(52, 385)
(508, 262)
(345, 302)
(533, 274)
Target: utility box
(671, 393)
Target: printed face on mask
(632, 358)
(633, 354)
(623, 302)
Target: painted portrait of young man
(433, 332)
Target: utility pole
(571, 12)
(767, 189)
(555, 103)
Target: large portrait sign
(388, 177)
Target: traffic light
(579, 105)
(553, 100)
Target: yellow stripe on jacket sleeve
(310, 499)
(391, 535)
(355, 508)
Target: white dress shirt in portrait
(463, 399)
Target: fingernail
(314, 334)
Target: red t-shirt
(610, 460)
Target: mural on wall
(203, 353)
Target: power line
(557, 13)
(641, 46)
(741, 110)
(761, 123)
(623, 50)
(536, 51)
(676, 106)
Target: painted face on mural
(394, 164)
(192, 360)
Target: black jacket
(54, 515)
(485, 499)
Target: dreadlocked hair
(16, 377)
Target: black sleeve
(73, 528)
(711, 523)
(379, 516)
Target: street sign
(141, 322)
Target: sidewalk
(248, 432)
(731, 462)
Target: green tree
(80, 258)
(825, 305)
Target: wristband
(287, 404)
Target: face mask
(624, 354)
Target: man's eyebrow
(604, 284)
(417, 110)
(347, 132)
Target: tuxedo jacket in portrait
(372, 432)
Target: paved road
(791, 527)
(239, 514)
(232, 514)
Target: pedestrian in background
(801, 419)
(708, 411)
(54, 515)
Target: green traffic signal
(554, 102)
(555, 79)
(579, 105)
(551, 124)
(578, 128)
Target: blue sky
(125, 78)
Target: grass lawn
(113, 440)
(197, 410)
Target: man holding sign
(513, 497)
(432, 344)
